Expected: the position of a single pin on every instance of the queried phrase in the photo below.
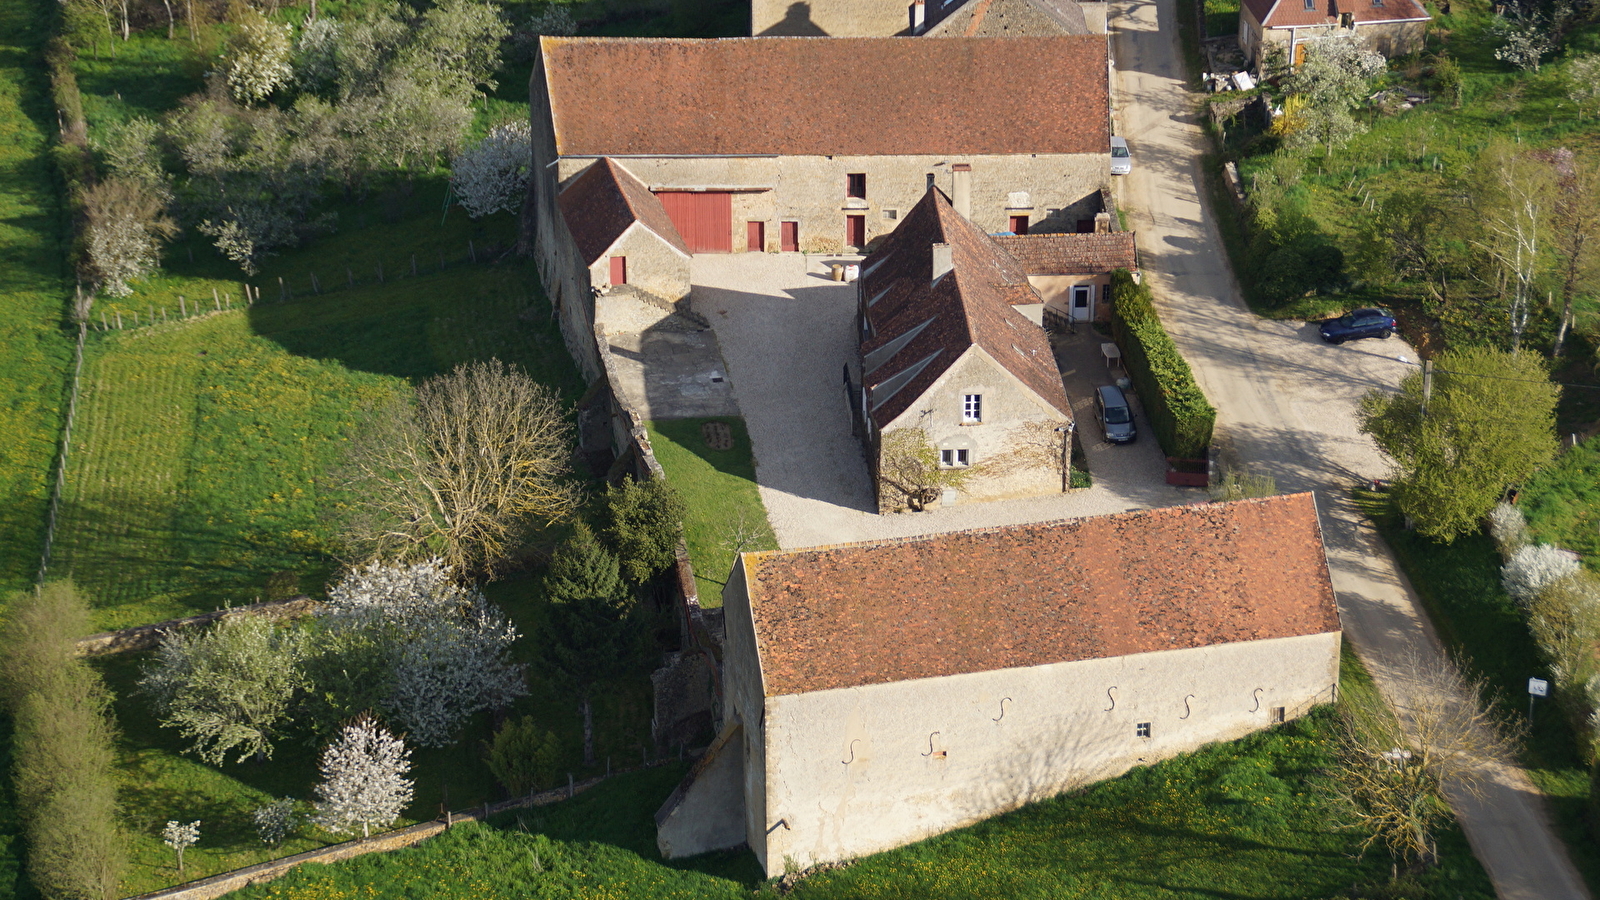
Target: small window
(1311, 5)
(1277, 715)
(972, 408)
(954, 459)
(856, 185)
(891, 214)
(1141, 730)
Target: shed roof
(840, 96)
(1288, 13)
(1072, 254)
(603, 201)
(969, 307)
(1027, 595)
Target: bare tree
(1512, 193)
(910, 475)
(464, 472)
(1394, 768)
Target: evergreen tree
(594, 626)
(644, 519)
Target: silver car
(1121, 162)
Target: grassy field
(1459, 584)
(1222, 17)
(719, 487)
(1244, 819)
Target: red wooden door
(789, 236)
(855, 231)
(1019, 224)
(704, 219)
(755, 236)
(619, 270)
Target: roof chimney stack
(918, 16)
(942, 261)
(962, 199)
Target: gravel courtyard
(786, 332)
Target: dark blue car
(1361, 323)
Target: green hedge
(1179, 412)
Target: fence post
(282, 293)
(569, 785)
(380, 273)
(441, 260)
(349, 276)
(119, 320)
(183, 306)
(214, 298)
(413, 265)
(472, 251)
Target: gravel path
(786, 332)
(1286, 405)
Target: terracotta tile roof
(842, 96)
(1286, 13)
(1028, 595)
(603, 201)
(969, 307)
(1072, 254)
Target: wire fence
(59, 476)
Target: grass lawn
(1222, 17)
(1243, 819)
(1459, 584)
(1562, 502)
(720, 488)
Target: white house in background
(881, 693)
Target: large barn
(881, 693)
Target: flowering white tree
(446, 644)
(124, 227)
(1326, 87)
(1509, 529)
(1528, 34)
(257, 57)
(180, 838)
(276, 821)
(363, 779)
(492, 174)
(1534, 568)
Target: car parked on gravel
(1115, 415)
(1121, 160)
(1362, 323)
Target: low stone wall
(227, 882)
(146, 637)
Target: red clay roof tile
(603, 201)
(1028, 595)
(1287, 13)
(1072, 254)
(840, 96)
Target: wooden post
(569, 785)
(119, 320)
(282, 294)
(214, 298)
(103, 325)
(316, 286)
(136, 318)
(608, 765)
(350, 277)
(183, 306)
(441, 260)
(191, 254)
(472, 251)
(163, 313)
(413, 265)
(380, 273)
(1427, 386)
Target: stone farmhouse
(946, 349)
(933, 18)
(1390, 27)
(774, 144)
(881, 693)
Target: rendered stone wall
(653, 264)
(745, 696)
(1389, 39)
(1008, 408)
(1053, 190)
(831, 18)
(863, 770)
(1056, 291)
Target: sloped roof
(603, 201)
(1012, 18)
(1028, 595)
(1287, 13)
(1072, 254)
(971, 306)
(840, 96)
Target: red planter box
(1188, 472)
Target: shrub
(63, 755)
(1509, 529)
(643, 522)
(1535, 568)
(1179, 412)
(525, 757)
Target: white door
(1083, 303)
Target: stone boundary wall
(146, 637)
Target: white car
(1121, 162)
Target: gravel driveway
(1286, 406)
(786, 332)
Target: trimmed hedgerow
(1179, 413)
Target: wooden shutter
(619, 270)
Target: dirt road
(1286, 407)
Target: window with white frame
(955, 459)
(972, 408)
(1141, 730)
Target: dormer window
(1311, 5)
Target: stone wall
(830, 18)
(856, 771)
(1008, 408)
(1391, 39)
(1055, 191)
(146, 637)
(653, 265)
